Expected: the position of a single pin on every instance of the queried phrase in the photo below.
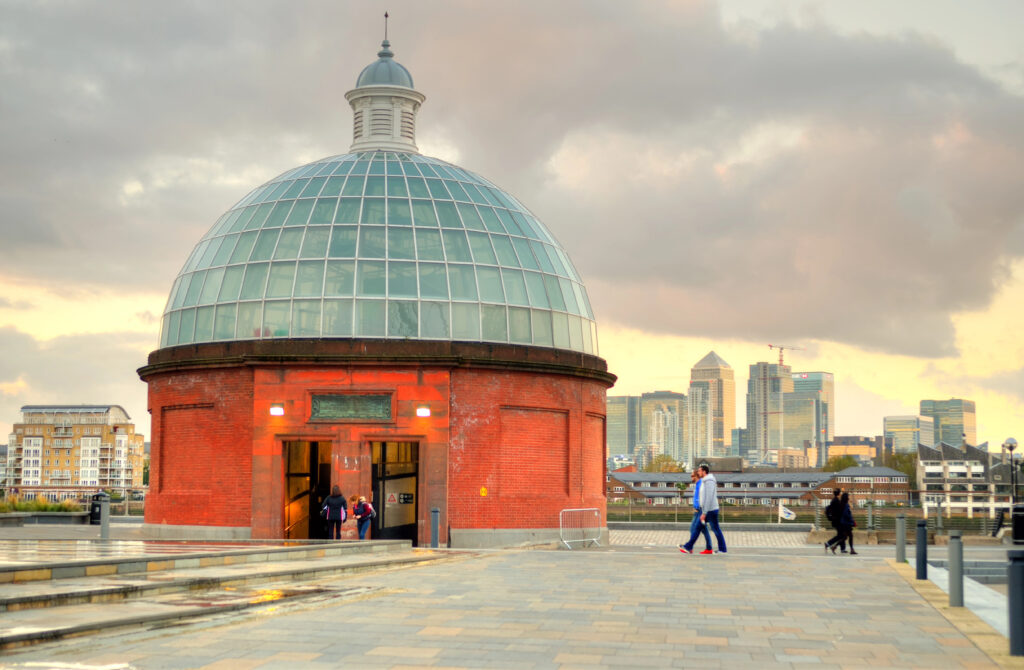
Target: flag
(786, 513)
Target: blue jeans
(711, 519)
(696, 528)
(364, 525)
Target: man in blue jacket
(696, 527)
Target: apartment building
(67, 451)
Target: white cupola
(384, 106)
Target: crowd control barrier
(580, 526)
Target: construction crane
(783, 347)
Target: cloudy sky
(844, 177)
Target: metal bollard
(105, 519)
(871, 517)
(435, 523)
(921, 550)
(901, 538)
(956, 569)
(1015, 576)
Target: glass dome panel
(384, 245)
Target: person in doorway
(696, 527)
(337, 512)
(363, 512)
(832, 513)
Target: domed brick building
(387, 322)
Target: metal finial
(385, 26)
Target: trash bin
(1018, 524)
(96, 506)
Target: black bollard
(921, 550)
(435, 522)
(1015, 589)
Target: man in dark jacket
(834, 513)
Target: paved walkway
(668, 538)
(581, 609)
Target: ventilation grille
(380, 122)
(357, 125)
(408, 125)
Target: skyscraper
(663, 421)
(623, 432)
(699, 423)
(907, 432)
(766, 386)
(955, 421)
(721, 404)
(824, 385)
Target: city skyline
(806, 172)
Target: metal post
(956, 569)
(921, 550)
(871, 516)
(901, 538)
(938, 521)
(105, 518)
(1015, 588)
(817, 517)
(435, 524)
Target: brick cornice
(370, 352)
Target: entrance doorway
(307, 482)
(395, 470)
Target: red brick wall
(534, 440)
(507, 430)
(201, 448)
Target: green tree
(905, 463)
(837, 463)
(663, 463)
(145, 474)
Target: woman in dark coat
(337, 510)
(846, 522)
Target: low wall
(44, 518)
(737, 527)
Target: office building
(955, 421)
(822, 384)
(623, 424)
(909, 432)
(766, 387)
(700, 435)
(663, 422)
(717, 376)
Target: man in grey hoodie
(709, 505)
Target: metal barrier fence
(579, 525)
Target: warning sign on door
(392, 499)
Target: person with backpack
(834, 513)
(335, 511)
(364, 513)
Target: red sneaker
(707, 551)
(684, 550)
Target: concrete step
(39, 611)
(62, 560)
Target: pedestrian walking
(335, 510)
(832, 513)
(846, 521)
(696, 527)
(708, 509)
(364, 513)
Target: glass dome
(380, 245)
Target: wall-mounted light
(423, 410)
(277, 409)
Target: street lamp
(1010, 445)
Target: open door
(395, 478)
(307, 479)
